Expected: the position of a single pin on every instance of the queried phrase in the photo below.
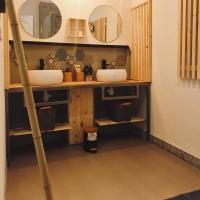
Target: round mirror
(40, 18)
(105, 24)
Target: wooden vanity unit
(77, 109)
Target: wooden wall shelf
(76, 28)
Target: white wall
(83, 9)
(175, 103)
(2, 121)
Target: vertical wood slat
(141, 61)
(189, 37)
(198, 49)
(180, 25)
(149, 74)
(183, 33)
(143, 44)
(140, 42)
(189, 40)
(194, 39)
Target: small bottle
(88, 72)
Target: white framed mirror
(105, 23)
(40, 18)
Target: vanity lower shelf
(107, 121)
(58, 127)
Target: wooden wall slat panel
(189, 40)
(141, 55)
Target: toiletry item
(67, 76)
(79, 76)
(42, 64)
(77, 68)
(88, 71)
(89, 78)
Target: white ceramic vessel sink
(111, 75)
(45, 77)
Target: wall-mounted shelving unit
(76, 28)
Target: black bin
(90, 139)
(119, 110)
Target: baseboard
(176, 151)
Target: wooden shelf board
(58, 127)
(107, 121)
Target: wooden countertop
(18, 86)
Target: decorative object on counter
(61, 54)
(68, 76)
(52, 61)
(88, 60)
(90, 139)
(88, 71)
(48, 14)
(80, 54)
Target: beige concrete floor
(128, 169)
